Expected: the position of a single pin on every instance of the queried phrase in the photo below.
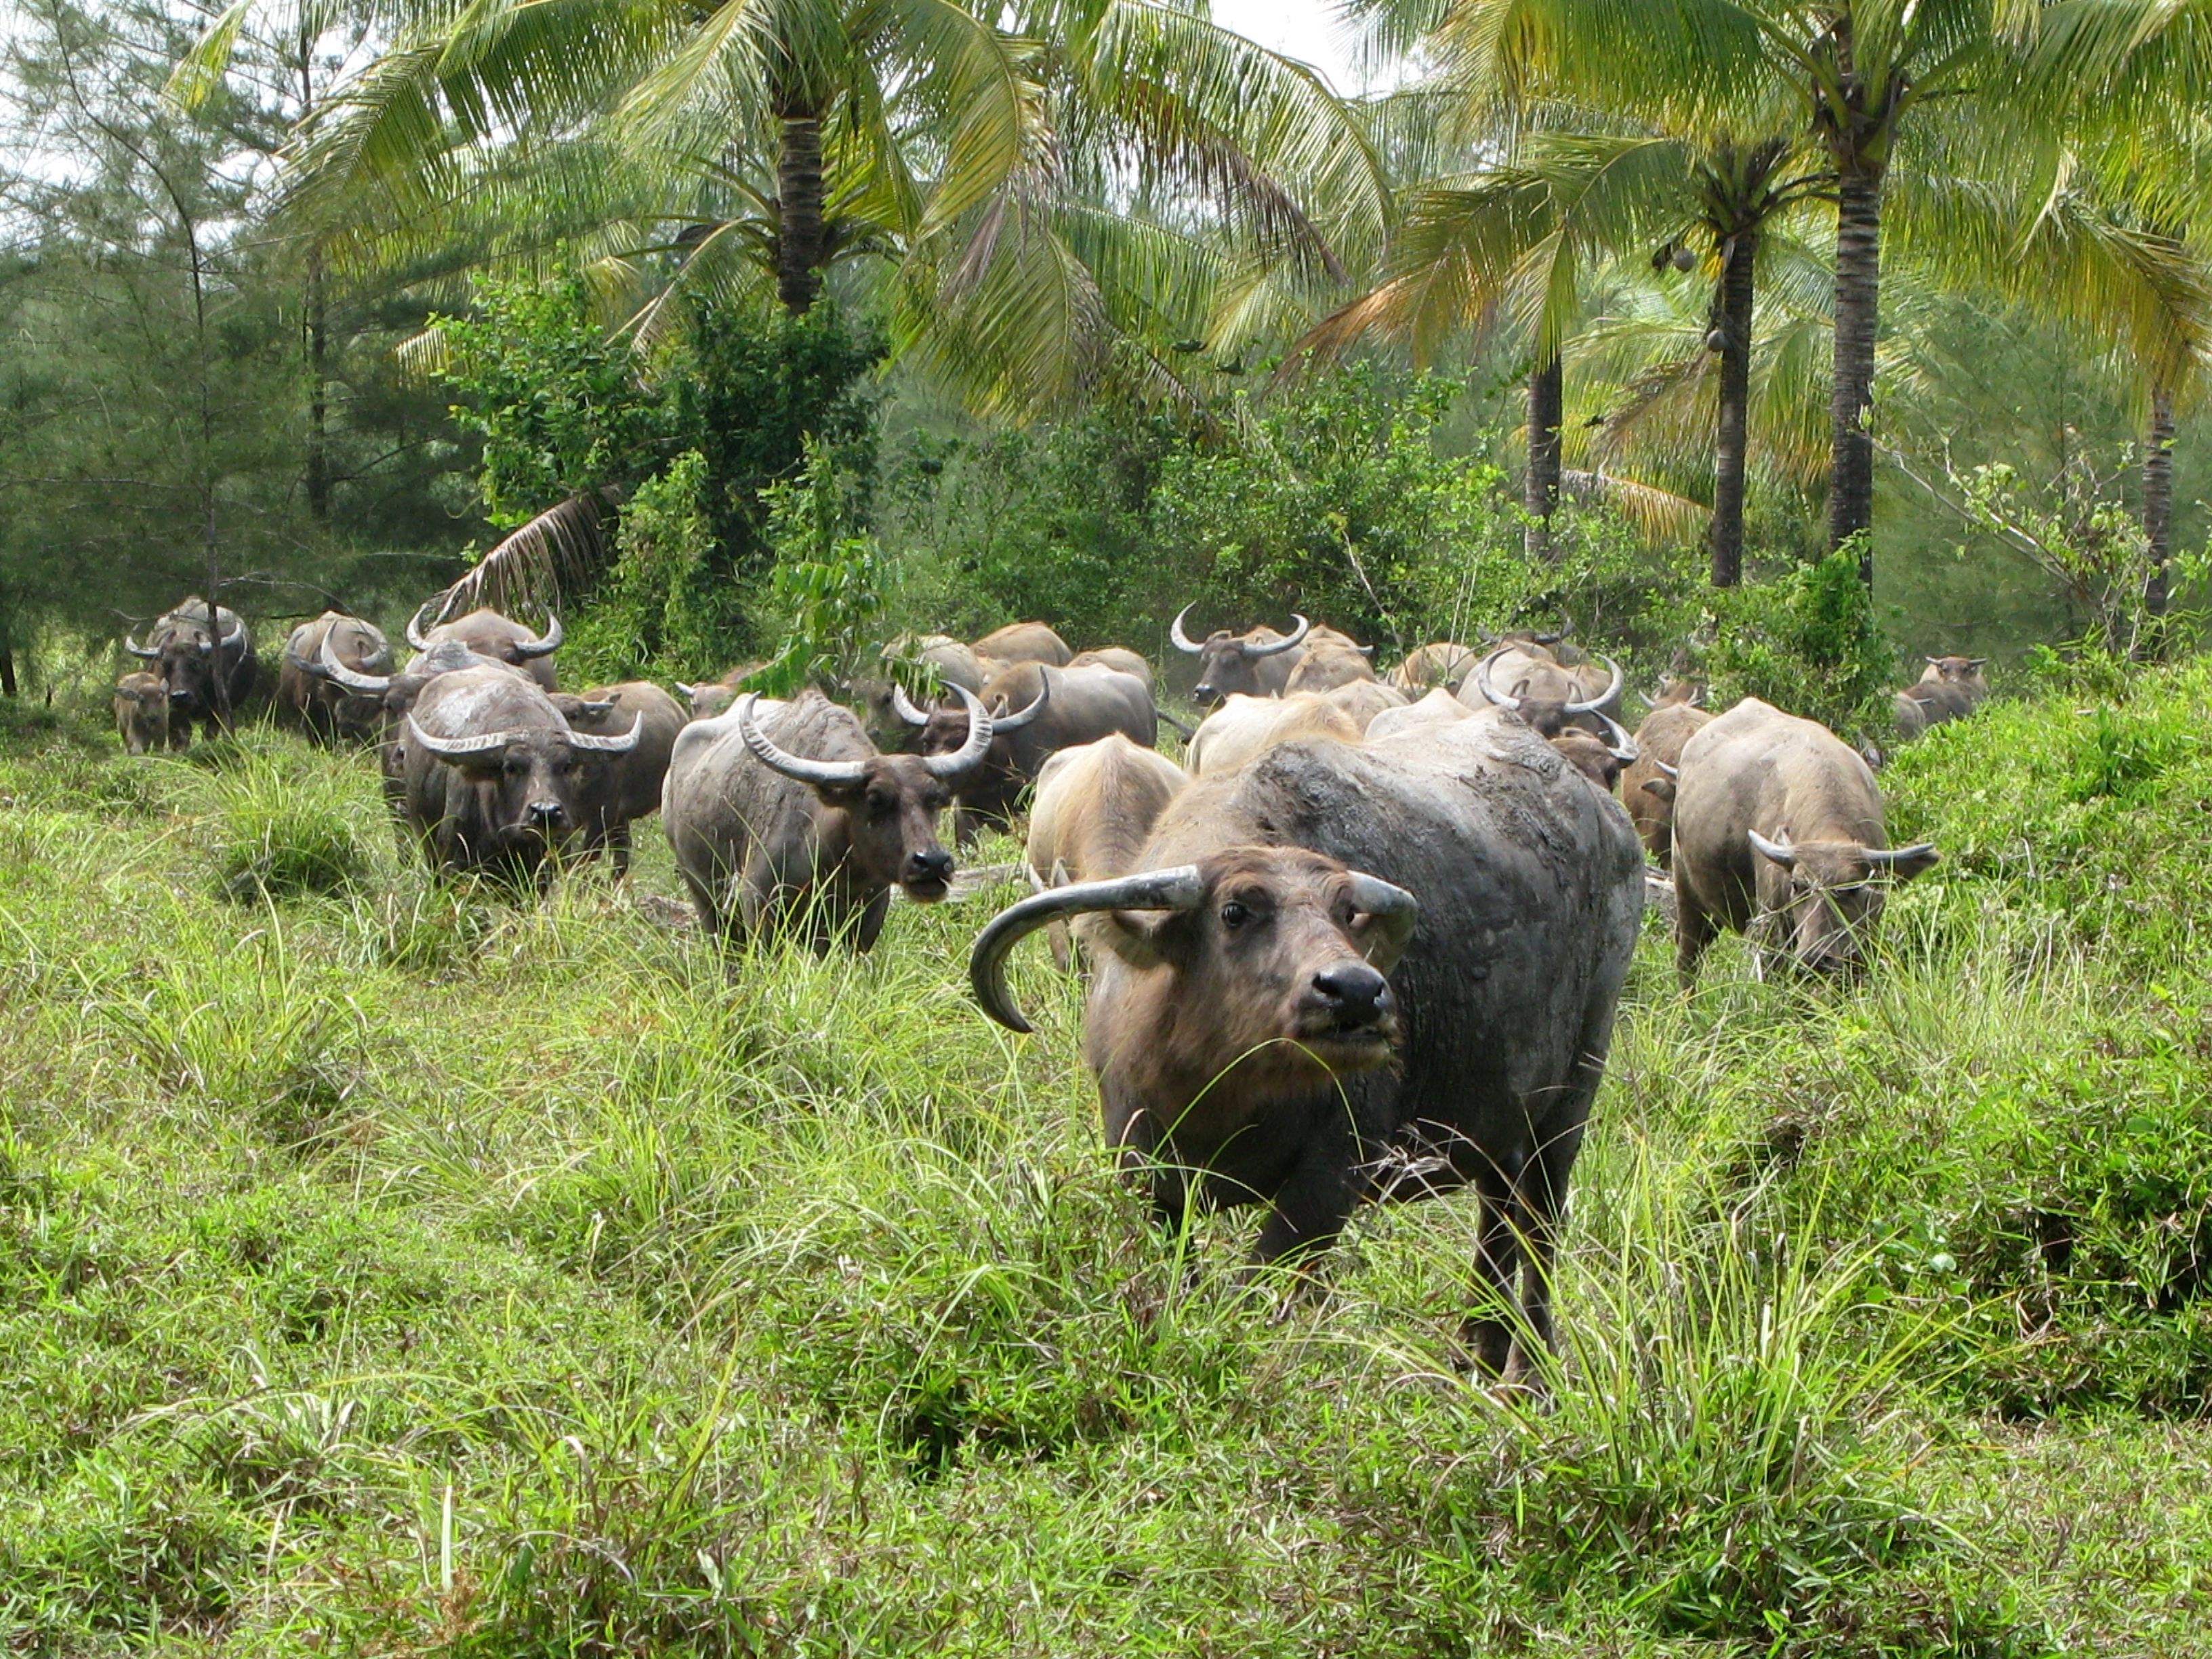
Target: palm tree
(1000, 190)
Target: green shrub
(1807, 642)
(651, 615)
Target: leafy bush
(828, 584)
(1807, 643)
(654, 614)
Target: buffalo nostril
(935, 864)
(1356, 990)
(547, 811)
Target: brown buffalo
(1020, 642)
(493, 777)
(1118, 658)
(627, 788)
(1949, 688)
(1329, 661)
(1778, 836)
(1364, 699)
(1035, 712)
(1270, 1022)
(1096, 806)
(500, 638)
(1547, 694)
(1446, 663)
(326, 710)
(1255, 663)
(1245, 727)
(205, 659)
(1647, 787)
(783, 815)
(142, 713)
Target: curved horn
(1619, 744)
(130, 644)
(1548, 639)
(1183, 641)
(1365, 650)
(980, 726)
(1296, 637)
(902, 705)
(1611, 691)
(415, 636)
(1671, 771)
(826, 775)
(1914, 853)
(593, 710)
(546, 643)
(1178, 889)
(1394, 909)
(1503, 700)
(460, 748)
(237, 635)
(590, 742)
(1780, 851)
(1977, 662)
(353, 679)
(1933, 662)
(1022, 717)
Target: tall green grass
(387, 1267)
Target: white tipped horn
(1780, 851)
(1182, 641)
(546, 643)
(592, 744)
(1297, 637)
(1178, 889)
(454, 749)
(969, 755)
(1611, 691)
(1501, 699)
(823, 775)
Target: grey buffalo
(327, 710)
(489, 634)
(627, 788)
(205, 659)
(1350, 971)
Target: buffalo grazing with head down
(1036, 711)
(1948, 688)
(1647, 787)
(784, 815)
(1350, 972)
(1778, 835)
(499, 638)
(327, 709)
(204, 657)
(142, 713)
(494, 778)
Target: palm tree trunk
(1858, 307)
(2158, 518)
(1541, 492)
(1736, 292)
(799, 251)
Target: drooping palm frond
(1661, 515)
(557, 552)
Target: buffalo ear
(1662, 787)
(1141, 938)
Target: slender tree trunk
(2158, 519)
(316, 327)
(7, 669)
(1541, 492)
(1729, 445)
(1858, 308)
(799, 247)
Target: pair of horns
(1300, 629)
(1182, 888)
(1783, 854)
(1511, 704)
(904, 706)
(844, 775)
(236, 635)
(1617, 743)
(543, 645)
(487, 743)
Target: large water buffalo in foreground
(627, 788)
(142, 713)
(1778, 836)
(205, 659)
(502, 639)
(1647, 787)
(327, 709)
(494, 778)
(1022, 642)
(1948, 688)
(1350, 972)
(1035, 712)
(1096, 806)
(783, 814)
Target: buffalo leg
(1693, 932)
(1310, 1207)
(1541, 1205)
(618, 840)
(1488, 1334)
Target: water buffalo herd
(1365, 943)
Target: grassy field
(391, 1270)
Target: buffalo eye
(1235, 913)
(882, 805)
